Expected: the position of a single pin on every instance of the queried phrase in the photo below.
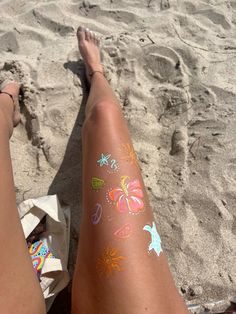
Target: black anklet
(8, 95)
(91, 74)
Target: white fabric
(54, 275)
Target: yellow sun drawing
(109, 262)
(130, 154)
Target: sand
(172, 65)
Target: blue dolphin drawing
(155, 239)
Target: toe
(93, 37)
(87, 34)
(81, 33)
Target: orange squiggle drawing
(130, 154)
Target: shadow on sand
(67, 184)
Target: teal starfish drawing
(103, 160)
(155, 239)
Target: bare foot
(11, 108)
(90, 52)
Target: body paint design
(97, 215)
(97, 183)
(109, 262)
(128, 197)
(129, 153)
(103, 160)
(124, 232)
(155, 239)
(114, 164)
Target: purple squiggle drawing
(97, 215)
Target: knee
(103, 111)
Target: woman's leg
(20, 291)
(121, 267)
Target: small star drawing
(103, 160)
(155, 239)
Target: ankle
(96, 73)
(6, 125)
(95, 68)
(6, 114)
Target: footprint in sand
(164, 64)
(215, 17)
(179, 142)
(230, 173)
(9, 43)
(42, 16)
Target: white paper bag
(54, 274)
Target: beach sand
(172, 65)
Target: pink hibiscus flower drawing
(128, 197)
